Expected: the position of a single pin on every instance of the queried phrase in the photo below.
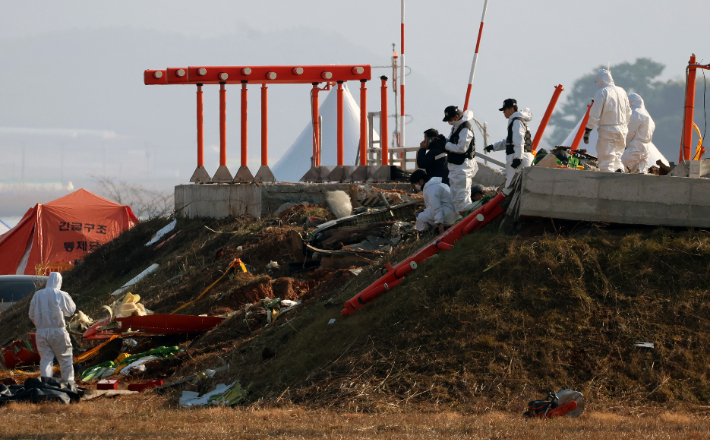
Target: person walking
(48, 308)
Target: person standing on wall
(610, 114)
(518, 143)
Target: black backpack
(460, 158)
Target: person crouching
(440, 212)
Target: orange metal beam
(341, 134)
(244, 132)
(384, 130)
(363, 122)
(264, 125)
(222, 125)
(200, 128)
(257, 74)
(687, 145)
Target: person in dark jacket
(431, 156)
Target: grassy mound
(501, 319)
(495, 322)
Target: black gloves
(586, 135)
(516, 163)
(488, 149)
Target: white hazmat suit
(610, 114)
(460, 176)
(48, 309)
(516, 149)
(439, 206)
(639, 138)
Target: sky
(73, 72)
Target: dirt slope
(505, 319)
(500, 319)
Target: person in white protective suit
(518, 143)
(440, 212)
(48, 309)
(639, 139)
(610, 114)
(461, 150)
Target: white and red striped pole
(475, 57)
(401, 75)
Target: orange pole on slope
(200, 128)
(687, 147)
(582, 127)
(546, 117)
(244, 123)
(384, 130)
(363, 122)
(222, 125)
(341, 134)
(264, 125)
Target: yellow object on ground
(236, 262)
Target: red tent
(54, 235)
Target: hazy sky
(59, 51)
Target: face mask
(451, 122)
(418, 187)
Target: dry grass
(149, 417)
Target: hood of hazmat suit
(604, 78)
(49, 306)
(610, 112)
(639, 138)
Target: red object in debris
(155, 325)
(107, 385)
(19, 353)
(140, 387)
(474, 221)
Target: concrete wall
(257, 200)
(218, 200)
(615, 198)
(488, 176)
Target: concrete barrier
(230, 200)
(615, 198)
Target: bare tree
(145, 203)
